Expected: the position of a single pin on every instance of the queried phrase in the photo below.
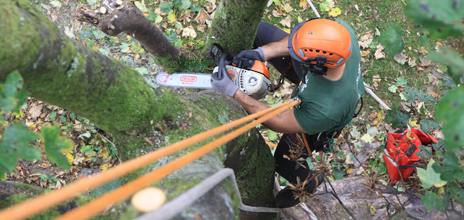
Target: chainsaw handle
(226, 58)
(218, 51)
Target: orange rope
(98, 205)
(306, 144)
(42, 202)
(271, 144)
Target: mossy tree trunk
(119, 100)
(235, 24)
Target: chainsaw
(251, 76)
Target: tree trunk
(235, 24)
(117, 99)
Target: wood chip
(103, 10)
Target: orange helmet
(320, 43)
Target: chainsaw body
(252, 83)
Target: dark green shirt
(328, 105)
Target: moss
(238, 35)
(33, 189)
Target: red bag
(400, 152)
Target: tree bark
(117, 99)
(235, 24)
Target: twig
(376, 98)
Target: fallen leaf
(425, 62)
(304, 4)
(400, 58)
(35, 110)
(287, 22)
(56, 4)
(70, 157)
(276, 13)
(189, 32)
(334, 12)
(393, 88)
(202, 17)
(412, 62)
(378, 53)
(287, 8)
(365, 40)
(365, 53)
(171, 18)
(367, 138)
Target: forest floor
(387, 75)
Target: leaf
(454, 61)
(287, 8)
(202, 17)
(450, 111)
(401, 81)
(411, 94)
(12, 89)
(391, 39)
(378, 53)
(303, 4)
(432, 200)
(272, 135)
(166, 6)
(429, 177)
(338, 174)
(400, 58)
(54, 145)
(428, 124)
(124, 47)
(171, 18)
(439, 17)
(55, 3)
(325, 6)
(393, 88)
(52, 116)
(424, 152)
(397, 118)
(70, 157)
(185, 4)
(367, 138)
(15, 145)
(457, 193)
(141, 6)
(449, 168)
(287, 22)
(98, 34)
(189, 32)
(334, 12)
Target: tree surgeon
(323, 57)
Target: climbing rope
(175, 206)
(98, 205)
(43, 202)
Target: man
(324, 55)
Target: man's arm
(284, 122)
(276, 49)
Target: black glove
(225, 85)
(256, 54)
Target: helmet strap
(318, 68)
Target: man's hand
(256, 54)
(225, 85)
